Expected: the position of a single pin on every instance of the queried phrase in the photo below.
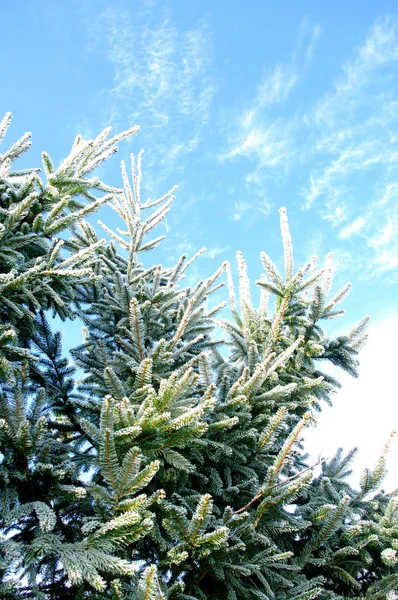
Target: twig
(258, 496)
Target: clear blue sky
(247, 105)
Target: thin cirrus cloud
(257, 136)
(352, 228)
(385, 243)
(348, 130)
(268, 143)
(263, 139)
(345, 143)
(361, 73)
(249, 209)
(382, 239)
(214, 252)
(160, 77)
(356, 145)
(260, 134)
(274, 87)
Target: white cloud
(355, 126)
(165, 68)
(390, 193)
(384, 239)
(250, 209)
(256, 133)
(269, 145)
(379, 50)
(161, 76)
(276, 86)
(315, 32)
(365, 410)
(214, 252)
(335, 209)
(343, 151)
(350, 133)
(386, 234)
(354, 130)
(360, 155)
(179, 148)
(352, 228)
(387, 259)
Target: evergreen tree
(174, 467)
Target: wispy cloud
(250, 209)
(341, 152)
(257, 133)
(314, 33)
(269, 144)
(387, 260)
(214, 252)
(161, 76)
(163, 67)
(355, 133)
(386, 234)
(364, 71)
(390, 192)
(276, 86)
(355, 125)
(352, 228)
(384, 241)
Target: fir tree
(174, 467)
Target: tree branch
(258, 496)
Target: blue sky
(247, 106)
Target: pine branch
(276, 485)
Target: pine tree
(173, 467)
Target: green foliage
(173, 468)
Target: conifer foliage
(172, 467)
